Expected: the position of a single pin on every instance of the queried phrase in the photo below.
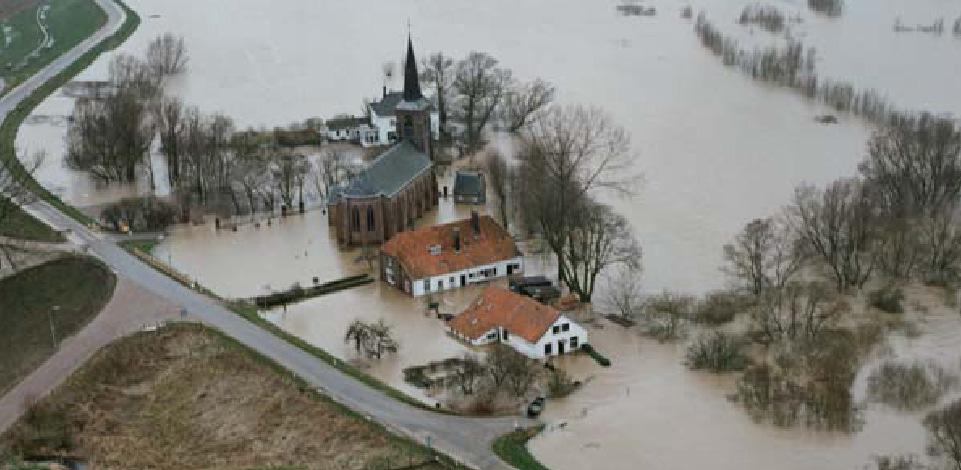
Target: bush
(718, 352)
(944, 433)
(140, 214)
(598, 357)
(559, 384)
(887, 299)
(719, 307)
(909, 387)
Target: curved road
(466, 439)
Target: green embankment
(19, 224)
(8, 131)
(67, 21)
(512, 448)
(63, 294)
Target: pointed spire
(411, 81)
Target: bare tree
(623, 294)
(109, 138)
(438, 71)
(765, 254)
(667, 310)
(170, 123)
(479, 85)
(839, 225)
(523, 101)
(467, 373)
(600, 238)
(290, 171)
(331, 170)
(940, 246)
(500, 177)
(915, 165)
(796, 310)
(565, 157)
(166, 55)
(944, 433)
(371, 339)
(498, 363)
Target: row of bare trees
(208, 161)
(793, 66)
(477, 91)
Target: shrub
(717, 352)
(719, 307)
(944, 433)
(559, 384)
(598, 357)
(909, 386)
(141, 214)
(887, 299)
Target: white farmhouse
(383, 118)
(500, 316)
(448, 256)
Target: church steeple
(411, 80)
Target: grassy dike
(8, 131)
(512, 448)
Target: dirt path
(130, 308)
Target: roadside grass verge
(63, 294)
(19, 224)
(68, 22)
(187, 395)
(8, 131)
(512, 448)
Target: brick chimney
(475, 223)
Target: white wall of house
(386, 126)
(464, 277)
(569, 339)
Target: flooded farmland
(714, 149)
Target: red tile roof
(412, 248)
(520, 315)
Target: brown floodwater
(714, 148)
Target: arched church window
(355, 219)
(370, 219)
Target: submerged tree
(523, 101)
(479, 85)
(500, 177)
(944, 433)
(566, 156)
(371, 339)
(438, 71)
(839, 226)
(166, 55)
(765, 254)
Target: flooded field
(714, 148)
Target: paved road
(467, 439)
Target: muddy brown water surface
(714, 148)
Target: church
(399, 185)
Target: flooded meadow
(714, 150)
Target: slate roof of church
(387, 174)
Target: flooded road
(714, 148)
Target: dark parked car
(535, 408)
(518, 284)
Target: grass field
(78, 286)
(68, 22)
(188, 397)
(20, 225)
(512, 448)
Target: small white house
(352, 129)
(449, 256)
(500, 316)
(383, 118)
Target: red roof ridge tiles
(498, 307)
